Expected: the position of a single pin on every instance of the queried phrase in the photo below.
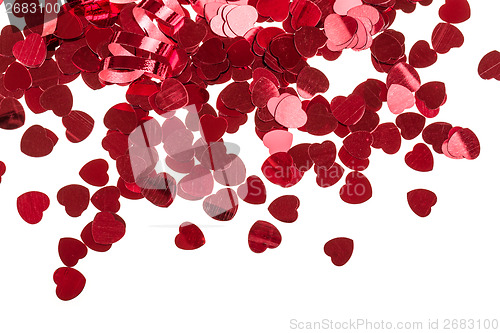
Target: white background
(404, 268)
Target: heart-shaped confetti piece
(95, 172)
(253, 191)
(30, 52)
(421, 55)
(107, 228)
(339, 250)
(357, 188)
(420, 158)
(262, 236)
(386, 136)
(31, 206)
(221, 206)
(70, 283)
(37, 141)
(285, 208)
(455, 11)
(323, 154)
(411, 125)
(399, 99)
(190, 237)
(421, 201)
(12, 114)
(71, 250)
(106, 199)
(75, 199)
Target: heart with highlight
(30, 52)
(420, 158)
(421, 201)
(262, 236)
(399, 98)
(70, 283)
(107, 228)
(190, 237)
(339, 250)
(71, 250)
(253, 191)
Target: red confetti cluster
(167, 60)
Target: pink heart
(399, 98)
(289, 112)
(278, 141)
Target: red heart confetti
(190, 237)
(106, 199)
(38, 141)
(253, 191)
(421, 201)
(71, 250)
(339, 250)
(411, 125)
(75, 198)
(12, 114)
(455, 11)
(262, 236)
(2, 170)
(30, 52)
(420, 158)
(107, 228)
(95, 172)
(70, 283)
(31, 206)
(357, 188)
(285, 208)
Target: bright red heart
(107, 228)
(339, 250)
(348, 110)
(420, 158)
(95, 172)
(106, 199)
(357, 188)
(69, 26)
(489, 66)
(71, 250)
(253, 191)
(75, 198)
(421, 201)
(411, 124)
(190, 237)
(37, 141)
(31, 206)
(221, 206)
(212, 128)
(284, 208)
(121, 117)
(358, 144)
(30, 52)
(404, 75)
(387, 137)
(59, 99)
(17, 77)
(12, 114)
(262, 236)
(455, 11)
(2, 170)
(352, 162)
(464, 144)
(70, 283)
(421, 55)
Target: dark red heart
(435, 134)
(357, 188)
(38, 141)
(433, 94)
(420, 158)
(411, 124)
(489, 66)
(75, 198)
(107, 228)
(106, 199)
(455, 11)
(421, 201)
(2, 170)
(339, 250)
(253, 191)
(329, 177)
(262, 236)
(70, 283)
(284, 208)
(421, 55)
(57, 98)
(190, 237)
(358, 144)
(212, 128)
(352, 162)
(277, 10)
(221, 206)
(12, 114)
(95, 172)
(387, 137)
(31, 206)
(348, 110)
(323, 154)
(159, 189)
(32, 51)
(71, 250)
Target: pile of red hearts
(167, 60)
